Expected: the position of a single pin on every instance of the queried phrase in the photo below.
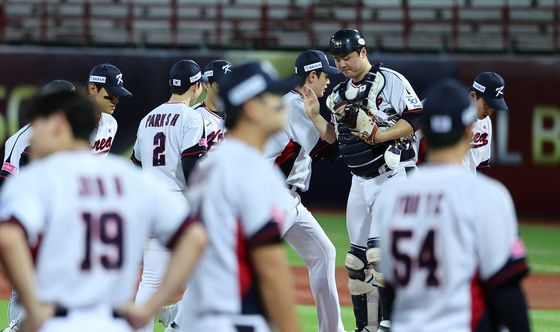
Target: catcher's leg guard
(358, 284)
(373, 256)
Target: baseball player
(16, 155)
(214, 72)
(170, 140)
(242, 282)
(453, 259)
(291, 148)
(105, 87)
(85, 219)
(487, 92)
(16, 148)
(375, 113)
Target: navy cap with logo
(249, 80)
(185, 73)
(309, 61)
(447, 112)
(216, 70)
(109, 77)
(57, 86)
(491, 86)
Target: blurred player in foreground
(86, 219)
(453, 259)
(243, 282)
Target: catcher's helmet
(346, 41)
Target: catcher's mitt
(359, 119)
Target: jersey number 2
(405, 263)
(159, 149)
(107, 229)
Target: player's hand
(310, 102)
(365, 128)
(34, 320)
(136, 316)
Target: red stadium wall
(526, 142)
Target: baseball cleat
(384, 326)
(167, 314)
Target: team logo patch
(12, 169)
(203, 142)
(226, 68)
(518, 249)
(337, 44)
(119, 79)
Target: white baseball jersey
(440, 243)
(300, 130)
(167, 133)
(480, 152)
(87, 219)
(16, 149)
(239, 198)
(103, 136)
(215, 125)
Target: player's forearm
(401, 129)
(276, 287)
(184, 258)
(325, 129)
(16, 258)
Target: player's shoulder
(20, 136)
(107, 120)
(488, 187)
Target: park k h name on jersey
(160, 120)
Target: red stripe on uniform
(290, 150)
(245, 276)
(478, 305)
(187, 154)
(33, 249)
(182, 228)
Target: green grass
(543, 252)
(543, 320)
(542, 243)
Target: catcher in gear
(375, 113)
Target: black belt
(375, 173)
(62, 311)
(239, 328)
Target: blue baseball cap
(491, 86)
(216, 70)
(185, 73)
(447, 112)
(309, 61)
(109, 77)
(57, 86)
(249, 80)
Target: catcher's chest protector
(363, 159)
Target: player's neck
(362, 74)
(73, 145)
(452, 155)
(210, 105)
(252, 136)
(185, 98)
